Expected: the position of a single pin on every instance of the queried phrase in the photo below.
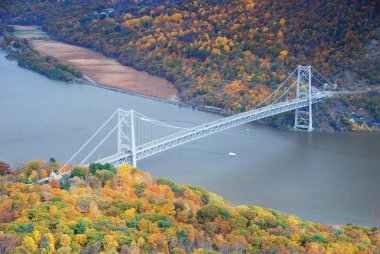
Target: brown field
(106, 71)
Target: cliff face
(344, 112)
(358, 112)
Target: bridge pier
(304, 117)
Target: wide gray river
(324, 177)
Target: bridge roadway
(210, 128)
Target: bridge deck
(206, 129)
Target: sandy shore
(107, 71)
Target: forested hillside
(225, 53)
(106, 210)
(229, 54)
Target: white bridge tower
(304, 116)
(126, 134)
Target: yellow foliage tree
(28, 246)
(51, 241)
(36, 235)
(283, 54)
(167, 209)
(177, 17)
(110, 244)
(80, 239)
(53, 210)
(33, 176)
(216, 51)
(130, 214)
(227, 48)
(64, 240)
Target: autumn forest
(226, 54)
(100, 209)
(229, 54)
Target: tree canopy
(130, 212)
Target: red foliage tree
(4, 168)
(54, 183)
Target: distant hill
(223, 53)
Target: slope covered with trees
(216, 51)
(229, 54)
(106, 210)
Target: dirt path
(106, 71)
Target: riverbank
(346, 114)
(19, 49)
(105, 71)
(100, 70)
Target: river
(324, 177)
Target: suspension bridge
(139, 136)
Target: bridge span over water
(143, 151)
(139, 136)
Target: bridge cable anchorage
(139, 136)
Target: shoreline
(35, 35)
(102, 66)
(86, 80)
(106, 71)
